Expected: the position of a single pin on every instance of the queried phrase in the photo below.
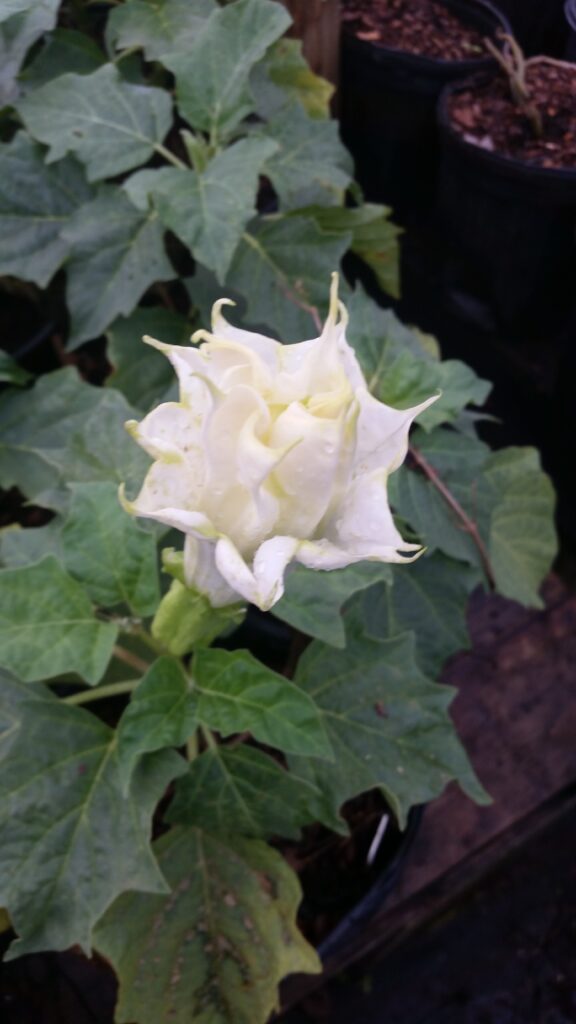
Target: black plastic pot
(511, 227)
(388, 102)
(570, 15)
(336, 946)
(538, 25)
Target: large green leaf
(48, 627)
(235, 692)
(310, 165)
(313, 601)
(63, 50)
(208, 211)
(283, 266)
(284, 76)
(388, 724)
(215, 950)
(430, 598)
(36, 202)
(110, 125)
(117, 252)
(71, 842)
(402, 366)
(160, 714)
(212, 77)
(10, 7)
(241, 791)
(140, 372)
(63, 431)
(522, 539)
(374, 240)
(158, 26)
(504, 495)
(107, 551)
(20, 547)
(459, 462)
(21, 25)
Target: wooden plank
(516, 714)
(317, 24)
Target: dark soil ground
(507, 955)
(487, 116)
(422, 27)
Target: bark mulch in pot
(487, 116)
(422, 27)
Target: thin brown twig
(467, 523)
(130, 659)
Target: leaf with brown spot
(214, 950)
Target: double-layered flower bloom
(275, 453)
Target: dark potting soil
(422, 27)
(487, 116)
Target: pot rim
(422, 61)
(492, 158)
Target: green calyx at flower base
(274, 454)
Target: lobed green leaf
(48, 626)
(216, 948)
(236, 693)
(72, 842)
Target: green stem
(110, 690)
(170, 157)
(209, 738)
(125, 53)
(192, 746)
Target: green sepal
(185, 618)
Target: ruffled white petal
(273, 453)
(201, 572)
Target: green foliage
(186, 619)
(62, 49)
(71, 432)
(281, 267)
(22, 23)
(203, 925)
(140, 372)
(36, 204)
(110, 125)
(429, 598)
(48, 626)
(242, 791)
(108, 552)
(235, 692)
(158, 26)
(60, 797)
(216, 949)
(283, 77)
(310, 163)
(208, 211)
(160, 714)
(212, 77)
(388, 724)
(117, 253)
(313, 601)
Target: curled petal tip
(127, 505)
(154, 343)
(216, 310)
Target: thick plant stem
(110, 690)
(468, 524)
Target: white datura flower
(274, 454)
